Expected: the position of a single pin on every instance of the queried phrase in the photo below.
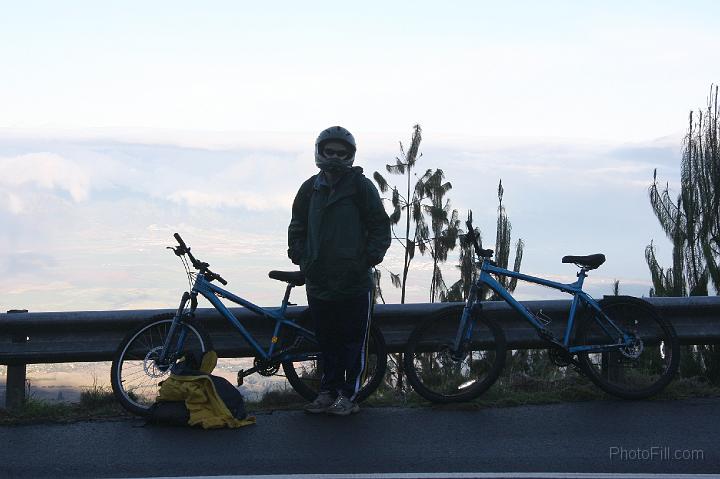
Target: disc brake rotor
(634, 349)
(151, 366)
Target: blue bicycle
(620, 342)
(147, 355)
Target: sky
(123, 123)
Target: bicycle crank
(560, 357)
(266, 368)
(558, 353)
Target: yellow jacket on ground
(205, 406)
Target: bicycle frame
(212, 293)
(580, 298)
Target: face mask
(334, 166)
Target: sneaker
(343, 407)
(322, 402)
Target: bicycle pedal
(240, 377)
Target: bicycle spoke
(441, 374)
(136, 375)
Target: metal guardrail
(83, 336)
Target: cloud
(11, 202)
(16, 263)
(232, 206)
(39, 288)
(254, 201)
(44, 170)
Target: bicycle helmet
(334, 163)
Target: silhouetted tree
(467, 263)
(411, 203)
(692, 223)
(502, 245)
(417, 233)
(377, 293)
(445, 226)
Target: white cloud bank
(99, 213)
(41, 170)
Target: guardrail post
(16, 375)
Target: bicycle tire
(132, 361)
(304, 376)
(435, 375)
(617, 374)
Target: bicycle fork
(165, 352)
(464, 332)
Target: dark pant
(342, 329)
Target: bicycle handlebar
(211, 276)
(201, 266)
(181, 242)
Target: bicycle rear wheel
(439, 375)
(637, 371)
(135, 372)
(304, 376)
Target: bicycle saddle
(296, 278)
(590, 262)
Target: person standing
(339, 230)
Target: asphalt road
(598, 436)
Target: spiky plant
(445, 226)
(503, 242)
(410, 202)
(692, 223)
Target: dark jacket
(337, 234)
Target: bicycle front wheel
(135, 372)
(442, 375)
(304, 376)
(640, 369)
